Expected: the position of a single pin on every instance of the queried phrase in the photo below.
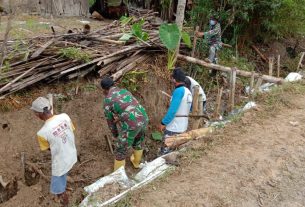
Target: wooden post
(251, 82)
(301, 60)
(200, 112)
(271, 63)
(278, 65)
(194, 42)
(195, 101)
(195, 106)
(232, 89)
(218, 103)
(258, 84)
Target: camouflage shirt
(214, 35)
(121, 104)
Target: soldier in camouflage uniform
(121, 107)
(213, 37)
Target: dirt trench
(18, 135)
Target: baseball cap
(40, 104)
(107, 82)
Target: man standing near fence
(213, 37)
(56, 135)
(121, 108)
(176, 119)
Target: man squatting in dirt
(180, 104)
(57, 135)
(191, 84)
(213, 37)
(120, 107)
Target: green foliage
(170, 35)
(228, 58)
(136, 31)
(165, 4)
(132, 80)
(74, 54)
(124, 20)
(251, 18)
(186, 39)
(156, 136)
(91, 2)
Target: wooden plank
(120, 52)
(20, 76)
(43, 47)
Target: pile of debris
(76, 54)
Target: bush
(252, 19)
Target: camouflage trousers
(127, 139)
(213, 52)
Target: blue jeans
(58, 184)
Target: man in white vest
(56, 135)
(191, 84)
(176, 119)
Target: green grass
(281, 96)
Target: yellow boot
(136, 158)
(118, 164)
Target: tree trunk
(179, 21)
(64, 8)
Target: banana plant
(170, 36)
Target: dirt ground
(18, 134)
(258, 161)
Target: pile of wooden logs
(40, 58)
(37, 59)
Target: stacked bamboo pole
(41, 59)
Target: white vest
(193, 85)
(180, 124)
(57, 132)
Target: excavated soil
(18, 135)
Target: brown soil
(258, 161)
(18, 134)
